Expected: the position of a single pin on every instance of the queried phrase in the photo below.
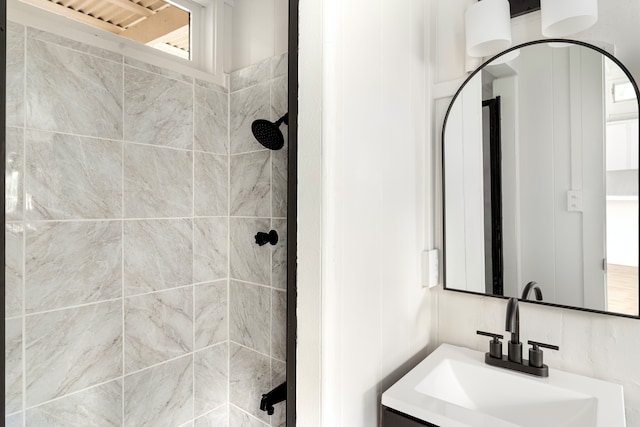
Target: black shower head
(268, 133)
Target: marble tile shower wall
(258, 202)
(135, 294)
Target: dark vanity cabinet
(393, 418)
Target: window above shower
(183, 35)
(156, 23)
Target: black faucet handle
(495, 346)
(537, 344)
(495, 337)
(535, 354)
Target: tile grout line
(122, 213)
(23, 260)
(73, 393)
(209, 412)
(193, 244)
(126, 297)
(101, 138)
(155, 73)
(168, 218)
(176, 218)
(271, 250)
(73, 49)
(228, 301)
(250, 415)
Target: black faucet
(513, 360)
(527, 290)
(276, 395)
(513, 325)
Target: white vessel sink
(454, 387)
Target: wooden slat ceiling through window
(149, 22)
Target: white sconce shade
(488, 27)
(564, 17)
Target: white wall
(596, 345)
(361, 313)
(258, 29)
(366, 205)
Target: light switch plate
(430, 268)
(574, 201)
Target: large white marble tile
(14, 174)
(279, 325)
(158, 327)
(279, 180)
(219, 417)
(13, 270)
(72, 177)
(280, 65)
(13, 365)
(211, 376)
(97, 406)
(248, 261)
(279, 257)
(211, 121)
(278, 376)
(251, 184)
(158, 182)
(69, 350)
(45, 36)
(157, 254)
(249, 315)
(251, 75)
(72, 263)
(211, 314)
(160, 396)
(73, 92)
(249, 379)
(210, 249)
(211, 184)
(15, 420)
(15, 74)
(245, 107)
(157, 110)
(239, 418)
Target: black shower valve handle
(264, 238)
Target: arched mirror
(540, 160)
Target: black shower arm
(282, 119)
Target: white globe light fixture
(487, 27)
(565, 17)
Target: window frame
(206, 34)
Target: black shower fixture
(268, 133)
(264, 238)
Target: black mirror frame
(444, 126)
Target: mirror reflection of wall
(568, 157)
(621, 190)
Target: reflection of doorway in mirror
(622, 197)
